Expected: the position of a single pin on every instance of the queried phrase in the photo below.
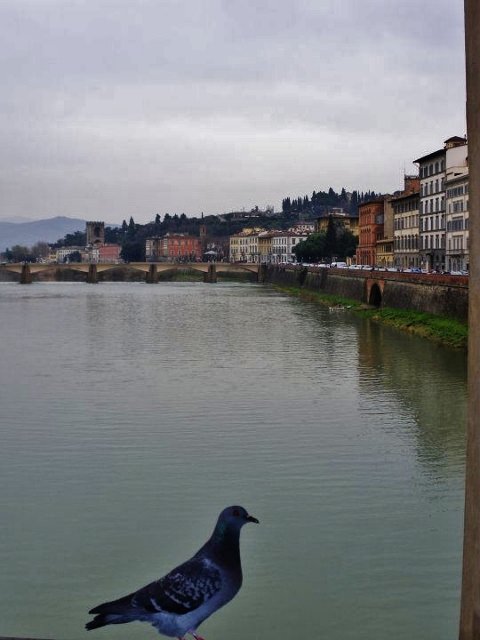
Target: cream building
(256, 245)
(283, 243)
(340, 217)
(432, 210)
(63, 253)
(457, 240)
(385, 242)
(265, 240)
(244, 246)
(406, 231)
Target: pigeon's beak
(251, 519)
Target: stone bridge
(26, 273)
(439, 294)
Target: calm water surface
(130, 415)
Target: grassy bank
(439, 329)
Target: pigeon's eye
(236, 512)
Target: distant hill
(28, 233)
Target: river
(131, 414)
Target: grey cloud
(243, 101)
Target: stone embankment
(442, 295)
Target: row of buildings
(258, 245)
(426, 224)
(250, 245)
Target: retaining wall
(441, 295)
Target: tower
(95, 233)
(203, 236)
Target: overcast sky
(135, 107)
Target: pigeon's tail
(98, 621)
(103, 619)
(115, 612)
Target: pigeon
(180, 601)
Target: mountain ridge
(45, 230)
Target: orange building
(180, 245)
(370, 223)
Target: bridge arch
(375, 294)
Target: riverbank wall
(442, 295)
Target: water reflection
(429, 383)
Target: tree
(131, 228)
(18, 253)
(347, 243)
(133, 251)
(312, 249)
(77, 239)
(354, 203)
(40, 250)
(157, 219)
(330, 239)
(75, 256)
(113, 235)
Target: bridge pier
(152, 275)
(92, 275)
(262, 273)
(26, 274)
(211, 274)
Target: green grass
(439, 329)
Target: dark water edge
(447, 332)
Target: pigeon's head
(234, 518)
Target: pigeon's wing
(182, 590)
